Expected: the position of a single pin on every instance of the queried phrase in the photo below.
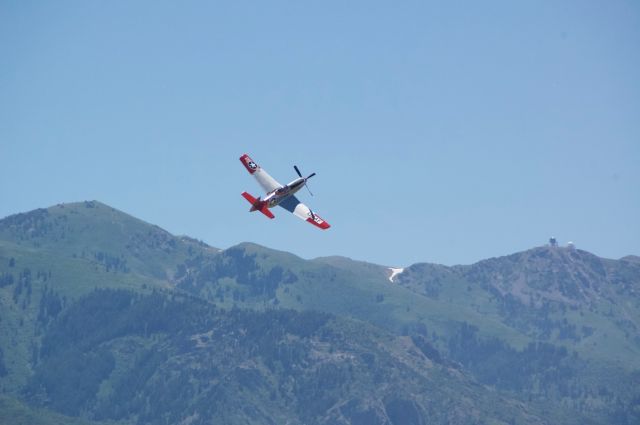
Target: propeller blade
(295, 167)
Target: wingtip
(323, 225)
(249, 163)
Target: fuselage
(274, 197)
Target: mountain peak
(68, 225)
(631, 258)
(95, 232)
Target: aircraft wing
(293, 205)
(267, 182)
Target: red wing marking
(319, 222)
(249, 164)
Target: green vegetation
(108, 318)
(14, 412)
(185, 358)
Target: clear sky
(444, 132)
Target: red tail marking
(258, 205)
(249, 198)
(265, 210)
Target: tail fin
(258, 205)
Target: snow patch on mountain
(394, 272)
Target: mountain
(573, 321)
(13, 412)
(108, 318)
(50, 257)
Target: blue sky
(445, 132)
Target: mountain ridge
(566, 320)
(327, 258)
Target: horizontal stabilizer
(250, 198)
(265, 210)
(258, 205)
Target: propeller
(295, 167)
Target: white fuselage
(274, 197)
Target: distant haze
(441, 133)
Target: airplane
(278, 194)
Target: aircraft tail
(258, 205)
